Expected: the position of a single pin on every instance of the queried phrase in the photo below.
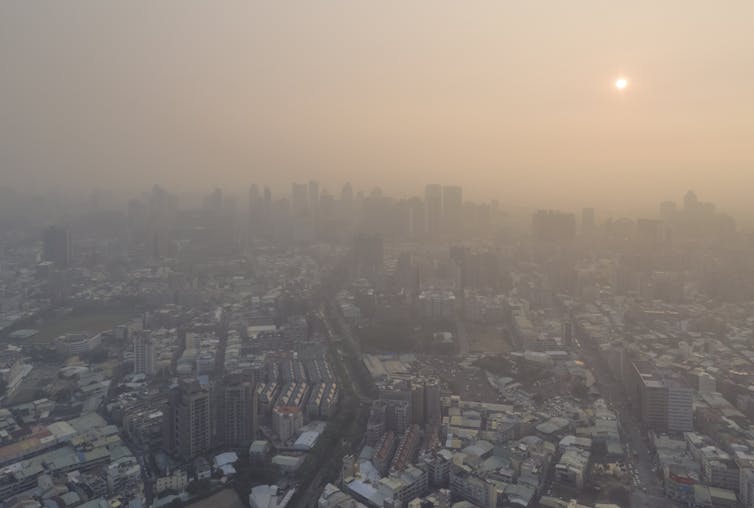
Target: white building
(269, 496)
(680, 408)
(707, 382)
(176, 481)
(286, 421)
(333, 497)
(572, 468)
(144, 355)
(746, 481)
(12, 369)
(77, 343)
(465, 485)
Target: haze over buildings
(390, 255)
(518, 99)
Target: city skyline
(397, 254)
(519, 100)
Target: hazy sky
(511, 99)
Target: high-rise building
(346, 194)
(399, 415)
(567, 331)
(690, 201)
(258, 217)
(417, 402)
(254, 196)
(213, 202)
(255, 200)
(432, 410)
(238, 416)
(417, 218)
(299, 199)
(648, 233)
(313, 195)
(346, 206)
(668, 210)
(144, 354)
(56, 246)
(368, 257)
(680, 407)
(452, 210)
(553, 226)
(665, 404)
(433, 209)
(746, 483)
(286, 421)
(267, 201)
(587, 220)
(188, 419)
(377, 422)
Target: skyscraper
(553, 226)
(690, 201)
(665, 404)
(452, 210)
(313, 195)
(286, 421)
(587, 220)
(267, 201)
(417, 220)
(648, 233)
(188, 419)
(368, 257)
(433, 209)
(144, 354)
(238, 417)
(432, 409)
(254, 200)
(300, 199)
(56, 246)
(417, 402)
(346, 194)
(213, 202)
(257, 217)
(668, 211)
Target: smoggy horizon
(509, 101)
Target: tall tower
(188, 419)
(368, 257)
(299, 198)
(313, 195)
(144, 354)
(238, 418)
(417, 402)
(56, 246)
(432, 409)
(587, 220)
(690, 201)
(452, 210)
(346, 194)
(433, 209)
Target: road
(347, 355)
(646, 486)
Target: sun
(621, 83)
